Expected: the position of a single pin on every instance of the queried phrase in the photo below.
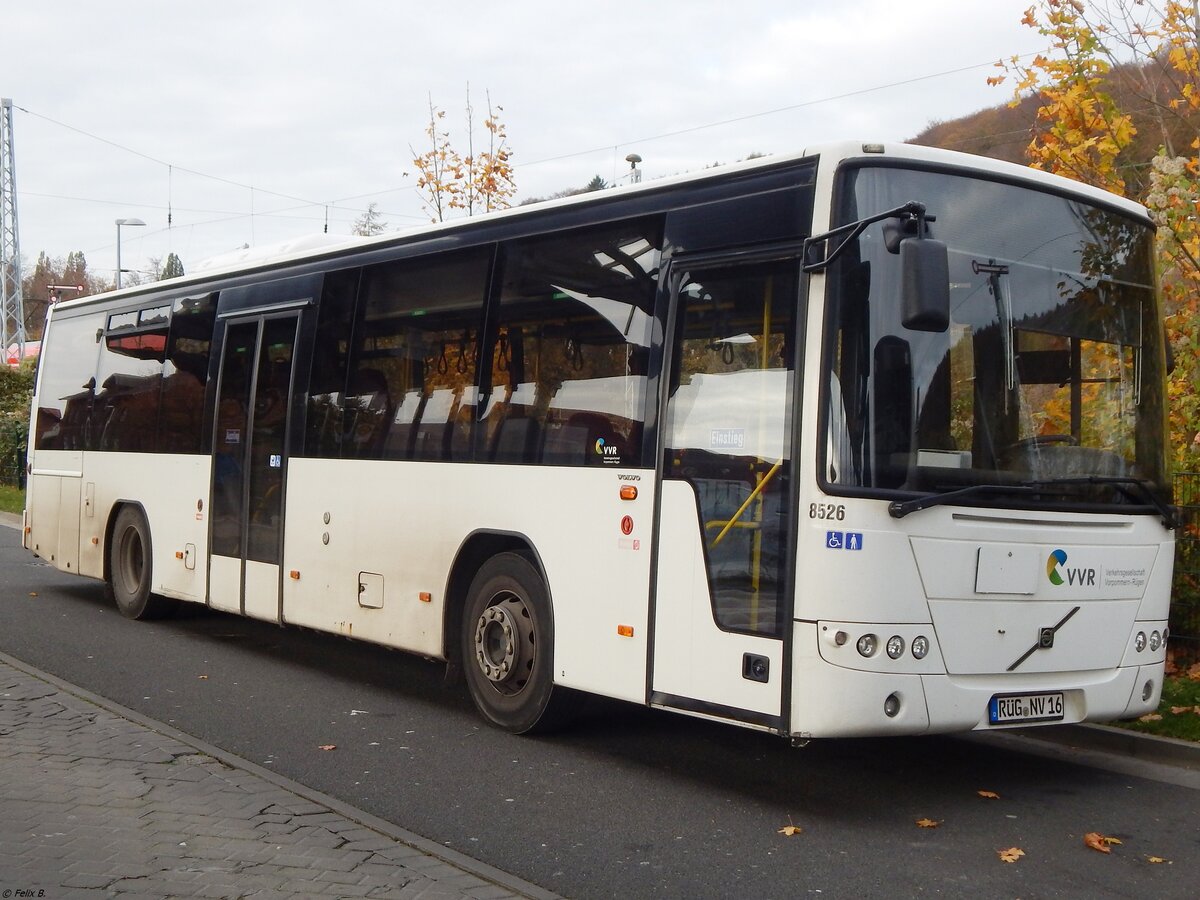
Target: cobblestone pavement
(93, 804)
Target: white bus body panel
(941, 574)
(693, 657)
(404, 522)
(69, 513)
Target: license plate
(1011, 709)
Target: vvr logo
(604, 449)
(1074, 576)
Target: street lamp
(121, 222)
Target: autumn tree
(482, 180)
(1147, 52)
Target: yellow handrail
(754, 493)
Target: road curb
(1110, 739)
(367, 820)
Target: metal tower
(12, 322)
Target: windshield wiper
(1134, 489)
(898, 509)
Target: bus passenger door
(253, 406)
(723, 584)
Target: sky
(230, 124)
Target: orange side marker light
(628, 492)
(425, 597)
(294, 574)
(625, 630)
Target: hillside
(1003, 132)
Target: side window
(129, 380)
(185, 373)
(331, 351)
(67, 382)
(569, 347)
(412, 387)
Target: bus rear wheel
(130, 568)
(507, 646)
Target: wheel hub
(504, 643)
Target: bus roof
(313, 248)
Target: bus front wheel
(129, 568)
(507, 645)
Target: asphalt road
(630, 802)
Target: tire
(130, 569)
(508, 647)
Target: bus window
(185, 373)
(129, 381)
(411, 392)
(331, 350)
(67, 382)
(569, 348)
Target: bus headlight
(895, 646)
(920, 646)
(1139, 641)
(868, 644)
(1155, 640)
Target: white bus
(869, 440)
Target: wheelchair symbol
(834, 540)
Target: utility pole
(12, 316)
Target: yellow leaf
(790, 830)
(327, 747)
(202, 677)
(927, 823)
(1157, 859)
(988, 795)
(1011, 855)
(1150, 717)
(1098, 841)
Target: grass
(12, 499)
(1178, 715)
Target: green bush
(16, 393)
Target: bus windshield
(1049, 378)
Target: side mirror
(925, 284)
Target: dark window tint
(68, 379)
(327, 382)
(412, 388)
(129, 382)
(185, 373)
(569, 348)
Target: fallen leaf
(927, 823)
(327, 747)
(1098, 841)
(202, 677)
(1011, 855)
(789, 830)
(988, 795)
(1176, 710)
(1157, 859)
(1150, 717)
(33, 593)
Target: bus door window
(231, 437)
(569, 347)
(412, 390)
(728, 432)
(269, 440)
